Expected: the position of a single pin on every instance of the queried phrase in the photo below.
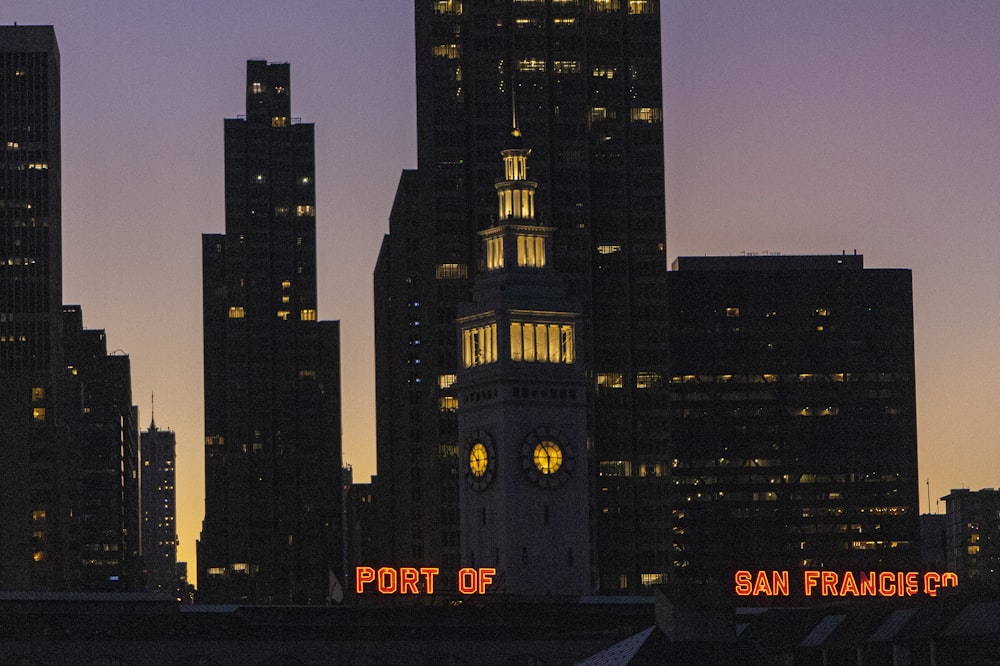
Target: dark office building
(272, 528)
(583, 80)
(972, 538)
(104, 476)
(793, 415)
(157, 476)
(33, 446)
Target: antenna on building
(928, 494)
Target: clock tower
(522, 415)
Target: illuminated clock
(480, 457)
(546, 458)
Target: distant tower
(159, 509)
(272, 529)
(522, 415)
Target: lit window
(216, 571)
(479, 345)
(542, 343)
(650, 579)
(530, 251)
(644, 380)
(286, 298)
(603, 72)
(448, 403)
(257, 87)
(283, 315)
(305, 211)
(307, 315)
(564, 21)
(647, 114)
(279, 121)
(286, 284)
(606, 6)
(446, 381)
(448, 7)
(526, 22)
(450, 51)
(38, 515)
(732, 312)
(241, 566)
(38, 414)
(39, 556)
(566, 66)
(237, 312)
(531, 65)
(494, 253)
(599, 113)
(822, 312)
(641, 7)
(610, 380)
(37, 394)
(451, 271)
(608, 249)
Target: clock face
(480, 456)
(547, 458)
(478, 460)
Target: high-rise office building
(793, 415)
(272, 528)
(972, 538)
(584, 81)
(158, 497)
(69, 519)
(33, 449)
(103, 476)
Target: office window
(647, 114)
(279, 121)
(445, 381)
(451, 271)
(566, 66)
(237, 312)
(642, 7)
(305, 211)
(37, 394)
(308, 314)
(610, 380)
(449, 51)
(531, 65)
(448, 7)
(38, 414)
(448, 403)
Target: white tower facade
(522, 414)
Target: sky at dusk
(791, 126)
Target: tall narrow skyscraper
(272, 528)
(157, 480)
(584, 81)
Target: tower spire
(152, 411)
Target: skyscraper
(33, 451)
(157, 476)
(793, 415)
(272, 528)
(584, 81)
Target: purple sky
(793, 126)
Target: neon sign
(411, 580)
(844, 584)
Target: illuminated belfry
(522, 408)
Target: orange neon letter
(886, 584)
(363, 575)
(387, 580)
(868, 584)
(485, 578)
(467, 581)
(742, 581)
(779, 582)
(849, 585)
(429, 573)
(408, 580)
(912, 586)
(810, 578)
(828, 583)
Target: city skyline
(787, 128)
